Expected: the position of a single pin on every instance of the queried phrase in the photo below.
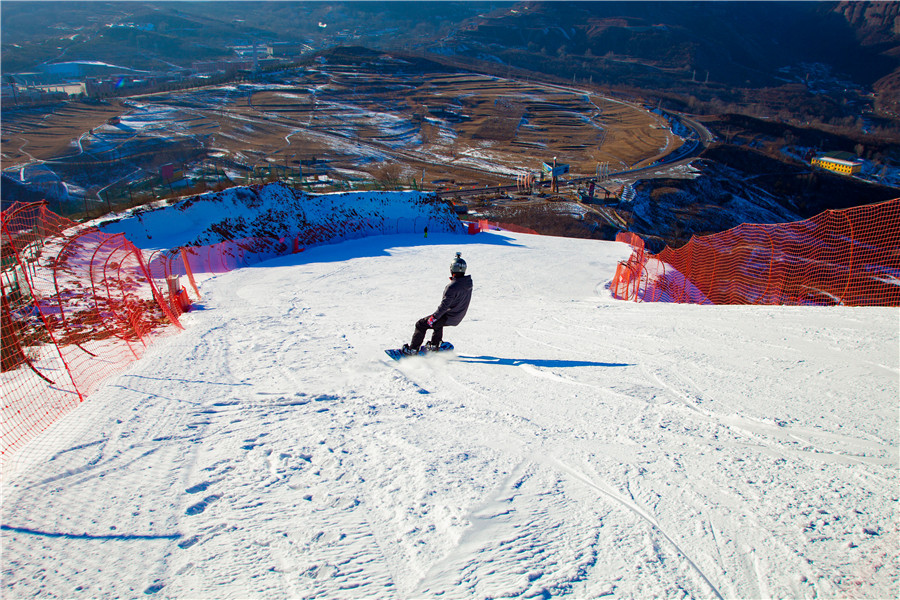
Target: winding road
(693, 147)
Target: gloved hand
(431, 320)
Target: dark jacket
(456, 299)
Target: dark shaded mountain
(877, 26)
(735, 43)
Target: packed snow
(572, 444)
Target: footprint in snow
(198, 508)
(188, 542)
(154, 588)
(199, 487)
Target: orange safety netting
(849, 257)
(78, 306)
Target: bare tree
(387, 174)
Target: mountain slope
(573, 446)
(737, 43)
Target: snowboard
(397, 353)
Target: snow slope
(277, 211)
(573, 445)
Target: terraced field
(45, 134)
(458, 126)
(350, 123)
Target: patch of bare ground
(48, 132)
(558, 218)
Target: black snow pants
(422, 327)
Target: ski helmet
(458, 266)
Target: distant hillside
(162, 35)
(712, 51)
(807, 61)
(877, 26)
(875, 23)
(737, 43)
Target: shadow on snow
(540, 362)
(87, 536)
(381, 245)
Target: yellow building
(844, 167)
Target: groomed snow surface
(572, 445)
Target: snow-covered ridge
(278, 211)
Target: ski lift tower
(554, 170)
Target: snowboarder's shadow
(539, 362)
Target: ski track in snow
(571, 445)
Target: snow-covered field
(572, 445)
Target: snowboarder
(426, 231)
(450, 312)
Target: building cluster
(60, 81)
(11, 94)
